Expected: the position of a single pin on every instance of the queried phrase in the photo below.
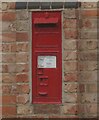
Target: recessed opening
(50, 25)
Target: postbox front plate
(46, 57)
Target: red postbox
(46, 57)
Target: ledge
(47, 5)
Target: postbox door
(46, 57)
(47, 78)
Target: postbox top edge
(45, 20)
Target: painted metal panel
(46, 57)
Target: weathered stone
(70, 33)
(88, 5)
(87, 65)
(4, 6)
(71, 87)
(9, 89)
(8, 37)
(23, 88)
(91, 88)
(46, 109)
(89, 109)
(70, 108)
(8, 77)
(91, 13)
(22, 77)
(89, 24)
(70, 66)
(71, 77)
(69, 13)
(21, 25)
(9, 58)
(20, 56)
(8, 16)
(22, 67)
(70, 23)
(82, 87)
(89, 34)
(22, 36)
(71, 97)
(0, 6)
(88, 56)
(11, 5)
(22, 15)
(22, 47)
(9, 110)
(70, 45)
(70, 55)
(9, 99)
(87, 45)
(9, 68)
(5, 26)
(88, 97)
(24, 109)
(10, 48)
(22, 99)
(88, 76)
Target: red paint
(44, 20)
(46, 41)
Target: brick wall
(87, 65)
(79, 89)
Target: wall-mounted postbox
(46, 57)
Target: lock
(39, 71)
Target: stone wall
(87, 66)
(79, 87)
